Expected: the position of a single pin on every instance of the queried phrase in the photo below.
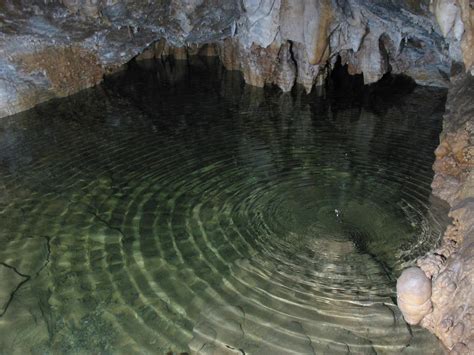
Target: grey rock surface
(451, 266)
(107, 33)
(414, 295)
(372, 37)
(56, 48)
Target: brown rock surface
(372, 37)
(451, 267)
(456, 21)
(56, 48)
(69, 69)
(272, 42)
(467, 13)
(413, 294)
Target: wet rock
(308, 74)
(23, 295)
(460, 349)
(413, 295)
(258, 64)
(308, 23)
(285, 69)
(451, 266)
(370, 43)
(221, 332)
(456, 21)
(51, 49)
(448, 15)
(261, 66)
(69, 69)
(229, 54)
(10, 281)
(271, 42)
(467, 44)
(368, 36)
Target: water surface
(174, 209)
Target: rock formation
(451, 266)
(279, 42)
(456, 21)
(414, 295)
(56, 48)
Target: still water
(174, 209)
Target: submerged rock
(10, 281)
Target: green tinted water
(175, 209)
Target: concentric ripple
(175, 209)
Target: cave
(236, 177)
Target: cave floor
(174, 209)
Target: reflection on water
(175, 209)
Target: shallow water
(175, 209)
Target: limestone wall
(279, 42)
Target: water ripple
(216, 218)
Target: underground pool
(173, 209)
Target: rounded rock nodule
(414, 295)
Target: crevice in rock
(384, 44)
(13, 293)
(292, 56)
(48, 255)
(26, 277)
(106, 223)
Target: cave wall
(304, 38)
(55, 48)
(58, 47)
(456, 21)
(372, 37)
(450, 268)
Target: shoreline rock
(451, 266)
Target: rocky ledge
(56, 48)
(441, 294)
(451, 267)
